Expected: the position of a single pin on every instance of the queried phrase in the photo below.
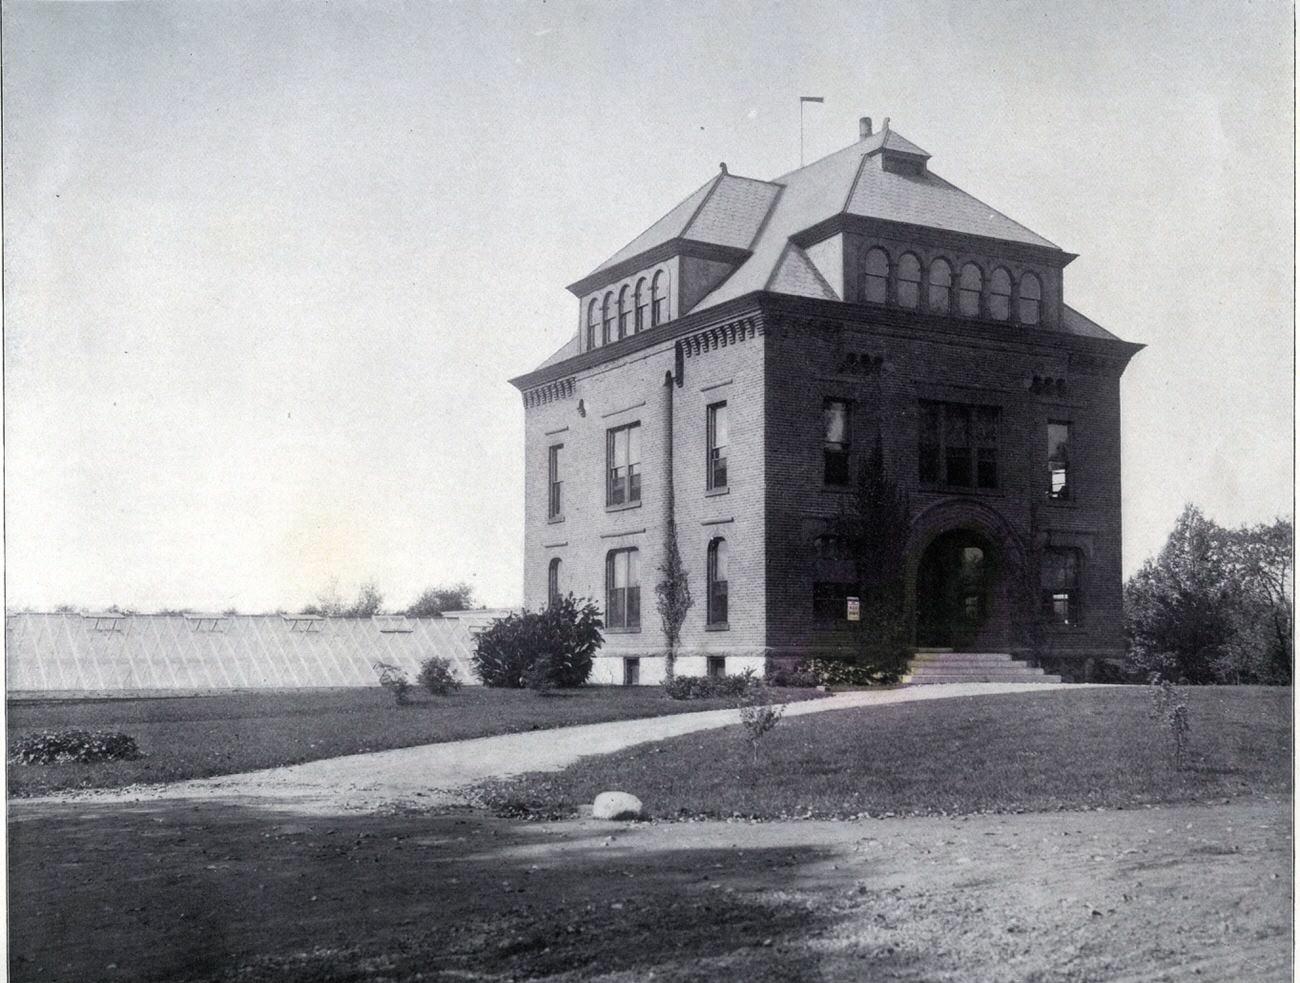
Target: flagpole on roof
(802, 100)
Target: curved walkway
(437, 774)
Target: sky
(267, 266)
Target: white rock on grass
(617, 805)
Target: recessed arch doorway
(960, 593)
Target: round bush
(540, 649)
(437, 677)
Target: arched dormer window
(607, 318)
(1000, 295)
(624, 312)
(969, 289)
(875, 276)
(1031, 298)
(593, 324)
(641, 302)
(659, 298)
(717, 582)
(940, 287)
(909, 281)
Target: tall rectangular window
(623, 465)
(831, 602)
(622, 590)
(1058, 461)
(957, 445)
(716, 570)
(717, 464)
(1060, 586)
(553, 582)
(837, 444)
(554, 484)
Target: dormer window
(1031, 298)
(909, 281)
(968, 293)
(659, 299)
(875, 276)
(1000, 295)
(607, 317)
(940, 287)
(641, 306)
(624, 312)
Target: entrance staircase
(940, 665)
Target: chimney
(885, 126)
(864, 127)
(723, 167)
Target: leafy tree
(551, 647)
(329, 603)
(1214, 605)
(434, 601)
(672, 595)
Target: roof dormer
(896, 154)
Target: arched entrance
(959, 593)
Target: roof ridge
(996, 211)
(853, 185)
(771, 210)
(834, 153)
(716, 181)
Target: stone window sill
(554, 519)
(623, 631)
(624, 507)
(724, 490)
(719, 626)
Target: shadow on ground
(190, 891)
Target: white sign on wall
(855, 609)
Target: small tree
(393, 679)
(435, 600)
(551, 647)
(329, 602)
(672, 595)
(758, 714)
(437, 676)
(1169, 707)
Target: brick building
(735, 364)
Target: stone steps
(933, 666)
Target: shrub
(709, 687)
(437, 677)
(1169, 707)
(552, 647)
(758, 714)
(80, 746)
(792, 677)
(874, 667)
(393, 679)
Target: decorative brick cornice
(720, 336)
(549, 393)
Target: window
(1031, 297)
(716, 476)
(717, 576)
(940, 287)
(641, 302)
(1000, 295)
(909, 281)
(659, 298)
(837, 444)
(1058, 461)
(553, 582)
(593, 321)
(554, 499)
(607, 318)
(831, 602)
(623, 465)
(875, 276)
(631, 672)
(622, 590)
(958, 445)
(624, 312)
(968, 293)
(716, 666)
(1060, 586)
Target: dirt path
(431, 775)
(1161, 895)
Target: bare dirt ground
(203, 890)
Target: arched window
(553, 582)
(909, 281)
(940, 287)
(659, 298)
(622, 590)
(607, 317)
(968, 291)
(641, 302)
(717, 576)
(1031, 297)
(624, 312)
(593, 324)
(875, 276)
(1000, 295)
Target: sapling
(758, 715)
(1170, 708)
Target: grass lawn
(226, 733)
(1063, 749)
